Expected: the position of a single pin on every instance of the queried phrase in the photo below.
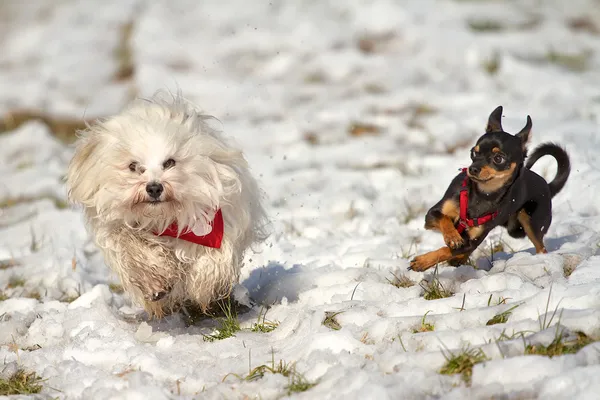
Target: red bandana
(465, 222)
(213, 239)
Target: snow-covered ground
(355, 115)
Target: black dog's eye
(498, 159)
(170, 163)
(473, 154)
(133, 166)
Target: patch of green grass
(69, 299)
(60, 204)
(560, 346)
(265, 326)
(330, 321)
(15, 281)
(282, 368)
(24, 165)
(492, 65)
(21, 383)
(229, 323)
(572, 62)
(401, 281)
(434, 289)
(374, 88)
(425, 327)
(3, 296)
(116, 288)
(11, 202)
(33, 295)
(6, 264)
(297, 382)
(124, 53)
(363, 129)
(315, 77)
(485, 25)
(502, 317)
(463, 363)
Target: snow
(347, 211)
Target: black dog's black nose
(154, 189)
(474, 170)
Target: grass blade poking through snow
(229, 323)
(401, 281)
(433, 288)
(265, 326)
(463, 363)
(20, 383)
(560, 345)
(330, 321)
(425, 327)
(297, 382)
(502, 317)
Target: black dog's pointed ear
(494, 121)
(525, 133)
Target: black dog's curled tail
(562, 159)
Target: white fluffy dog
(172, 205)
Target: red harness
(465, 222)
(213, 239)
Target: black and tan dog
(498, 189)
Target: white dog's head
(156, 163)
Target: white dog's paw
(156, 296)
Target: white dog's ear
(80, 182)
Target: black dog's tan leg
(443, 221)
(428, 260)
(451, 236)
(536, 237)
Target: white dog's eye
(133, 166)
(170, 163)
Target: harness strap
(464, 221)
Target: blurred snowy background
(355, 115)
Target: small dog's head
(155, 163)
(498, 155)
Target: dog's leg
(148, 270)
(534, 233)
(514, 227)
(428, 260)
(442, 220)
(454, 257)
(212, 277)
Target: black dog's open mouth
(479, 179)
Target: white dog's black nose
(154, 189)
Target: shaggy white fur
(167, 141)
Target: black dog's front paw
(454, 240)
